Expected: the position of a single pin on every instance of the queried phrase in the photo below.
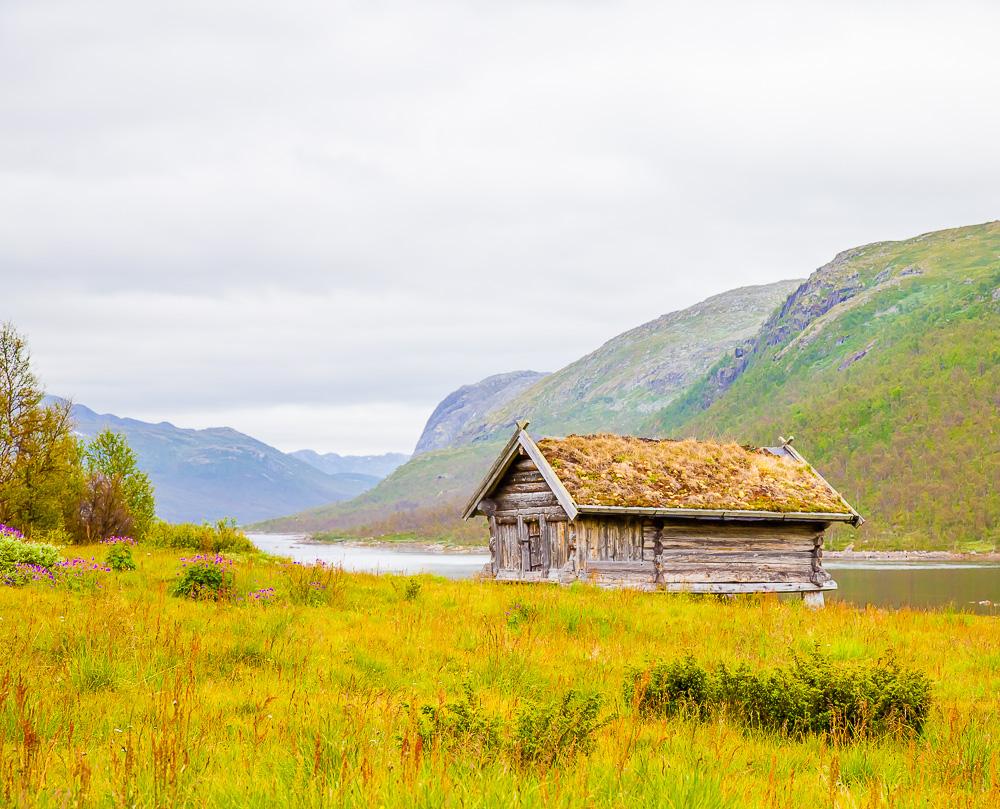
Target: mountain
(378, 466)
(886, 365)
(470, 403)
(210, 474)
(635, 374)
(619, 386)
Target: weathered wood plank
(546, 545)
(783, 530)
(527, 500)
(695, 556)
(525, 477)
(522, 488)
(510, 516)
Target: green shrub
(119, 558)
(15, 552)
(224, 536)
(665, 689)
(411, 590)
(551, 733)
(460, 725)
(809, 695)
(205, 578)
(544, 734)
(519, 613)
(814, 695)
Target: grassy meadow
(117, 693)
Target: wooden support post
(658, 554)
(494, 546)
(543, 538)
(813, 599)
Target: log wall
(695, 552)
(531, 538)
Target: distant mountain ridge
(335, 464)
(219, 472)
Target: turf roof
(616, 470)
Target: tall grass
(124, 695)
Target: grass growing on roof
(615, 470)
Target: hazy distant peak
(470, 402)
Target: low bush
(461, 725)
(814, 695)
(811, 694)
(18, 556)
(223, 537)
(543, 734)
(519, 613)
(205, 578)
(665, 689)
(551, 733)
(119, 554)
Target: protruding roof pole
(786, 444)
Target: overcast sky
(312, 220)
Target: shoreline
(430, 546)
(911, 556)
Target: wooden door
(530, 539)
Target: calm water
(372, 560)
(883, 584)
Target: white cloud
(225, 208)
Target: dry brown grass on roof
(614, 470)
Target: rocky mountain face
(885, 364)
(470, 404)
(833, 283)
(332, 463)
(215, 473)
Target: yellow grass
(615, 470)
(126, 696)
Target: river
(922, 585)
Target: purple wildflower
(118, 541)
(10, 532)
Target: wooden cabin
(693, 516)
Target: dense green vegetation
(53, 486)
(291, 689)
(893, 393)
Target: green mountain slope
(886, 365)
(617, 387)
(632, 375)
